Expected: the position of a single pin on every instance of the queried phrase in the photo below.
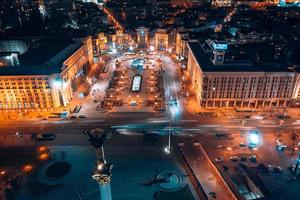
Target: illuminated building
(161, 39)
(143, 37)
(181, 45)
(222, 3)
(238, 84)
(43, 78)
(100, 43)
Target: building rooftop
(45, 59)
(203, 58)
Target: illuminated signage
(220, 46)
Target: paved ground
(131, 171)
(276, 185)
(135, 160)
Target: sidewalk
(206, 173)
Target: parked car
(73, 117)
(45, 136)
(81, 116)
(242, 145)
(234, 158)
(274, 168)
(243, 159)
(219, 159)
(253, 158)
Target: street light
(151, 48)
(168, 148)
(254, 139)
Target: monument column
(102, 175)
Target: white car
(234, 158)
(219, 159)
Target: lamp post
(254, 140)
(168, 148)
(103, 170)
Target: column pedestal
(105, 191)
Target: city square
(162, 100)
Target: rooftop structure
(204, 56)
(218, 82)
(46, 59)
(42, 78)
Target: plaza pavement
(131, 171)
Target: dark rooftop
(46, 59)
(203, 58)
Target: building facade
(181, 48)
(239, 86)
(161, 40)
(38, 89)
(143, 37)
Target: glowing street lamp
(3, 172)
(151, 48)
(167, 149)
(254, 139)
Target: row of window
(41, 104)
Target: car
(219, 159)
(81, 116)
(234, 158)
(270, 168)
(45, 136)
(73, 117)
(253, 158)
(18, 134)
(243, 159)
(229, 148)
(274, 168)
(242, 145)
(172, 101)
(218, 146)
(279, 141)
(243, 165)
(277, 169)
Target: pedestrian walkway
(212, 182)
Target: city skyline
(155, 99)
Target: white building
(239, 84)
